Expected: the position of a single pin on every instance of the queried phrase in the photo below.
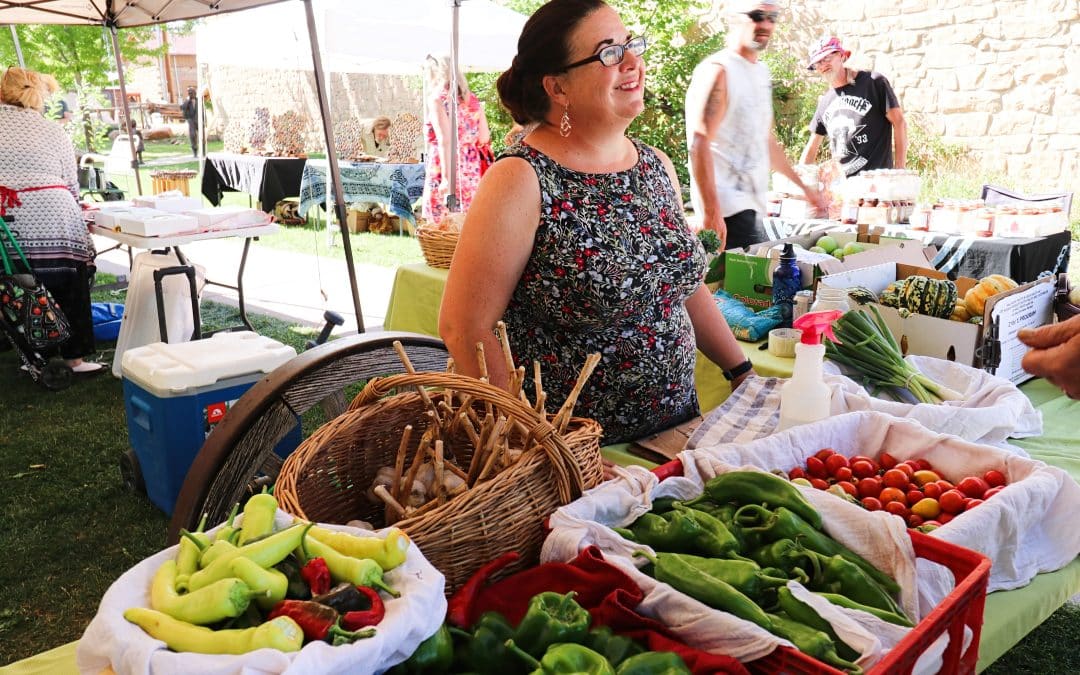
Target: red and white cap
(824, 47)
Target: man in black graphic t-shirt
(859, 114)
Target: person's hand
(717, 225)
(609, 469)
(741, 378)
(1055, 354)
(816, 198)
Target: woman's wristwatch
(738, 371)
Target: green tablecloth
(1009, 616)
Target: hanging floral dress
(611, 268)
(469, 123)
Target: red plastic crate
(961, 607)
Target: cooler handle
(140, 413)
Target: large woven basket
(326, 478)
(437, 245)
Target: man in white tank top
(729, 130)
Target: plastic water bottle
(786, 282)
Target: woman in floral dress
(578, 241)
(473, 134)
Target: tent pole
(452, 202)
(332, 160)
(127, 108)
(18, 45)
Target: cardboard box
(169, 203)
(748, 274)
(358, 221)
(111, 218)
(992, 346)
(156, 224)
(227, 218)
(1030, 225)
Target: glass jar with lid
(830, 298)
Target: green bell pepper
(551, 618)
(486, 652)
(614, 648)
(564, 659)
(653, 663)
(783, 523)
(433, 655)
(758, 487)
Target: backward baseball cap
(823, 47)
(744, 6)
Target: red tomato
(945, 485)
(952, 501)
(843, 473)
(945, 517)
(914, 520)
(871, 504)
(925, 465)
(994, 478)
(906, 468)
(797, 472)
(819, 483)
(897, 509)
(863, 468)
(891, 494)
(887, 461)
(992, 491)
(849, 487)
(895, 478)
(933, 523)
(869, 487)
(834, 463)
(914, 495)
(824, 453)
(973, 487)
(816, 468)
(932, 490)
(856, 458)
(972, 503)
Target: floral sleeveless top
(612, 265)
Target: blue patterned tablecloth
(398, 185)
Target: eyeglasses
(759, 15)
(613, 55)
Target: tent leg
(18, 46)
(332, 160)
(127, 108)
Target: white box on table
(228, 217)
(156, 224)
(992, 346)
(111, 218)
(169, 203)
(1030, 224)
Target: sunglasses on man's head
(613, 55)
(759, 15)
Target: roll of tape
(782, 341)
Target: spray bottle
(805, 397)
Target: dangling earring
(564, 124)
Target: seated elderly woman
(577, 239)
(376, 137)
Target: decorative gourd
(861, 295)
(932, 297)
(975, 299)
(960, 312)
(890, 297)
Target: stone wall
(999, 77)
(236, 91)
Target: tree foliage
(678, 41)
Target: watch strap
(739, 370)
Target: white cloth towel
(110, 640)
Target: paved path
(289, 286)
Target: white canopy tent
(115, 14)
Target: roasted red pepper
(461, 608)
(371, 616)
(317, 575)
(318, 622)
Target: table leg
(239, 287)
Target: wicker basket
(326, 478)
(437, 245)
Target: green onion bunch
(868, 347)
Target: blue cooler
(176, 394)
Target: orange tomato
(994, 478)
(895, 478)
(891, 494)
(848, 487)
(932, 490)
(952, 501)
(897, 509)
(906, 468)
